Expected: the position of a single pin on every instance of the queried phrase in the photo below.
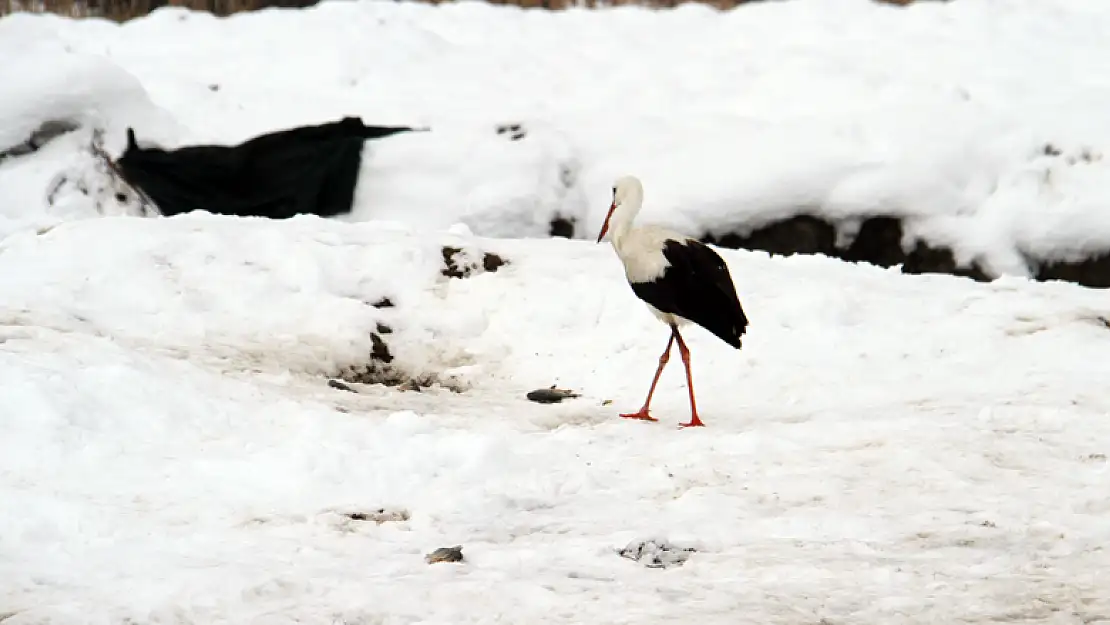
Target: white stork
(680, 279)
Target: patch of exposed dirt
(380, 368)
(460, 263)
(656, 554)
(379, 516)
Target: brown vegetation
(122, 10)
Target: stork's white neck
(620, 224)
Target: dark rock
(550, 395)
(379, 350)
(801, 234)
(445, 554)
(384, 302)
(336, 384)
(878, 242)
(515, 131)
(1093, 272)
(48, 131)
(925, 258)
(492, 262)
(562, 227)
(384, 329)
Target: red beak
(605, 226)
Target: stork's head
(628, 197)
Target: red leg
(643, 413)
(694, 420)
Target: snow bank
(82, 92)
(843, 109)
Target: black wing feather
(698, 287)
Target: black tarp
(303, 170)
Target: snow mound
(247, 294)
(865, 110)
(504, 180)
(86, 90)
(72, 100)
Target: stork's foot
(694, 423)
(642, 415)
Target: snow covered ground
(885, 448)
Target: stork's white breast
(641, 252)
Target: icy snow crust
(885, 449)
(981, 123)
